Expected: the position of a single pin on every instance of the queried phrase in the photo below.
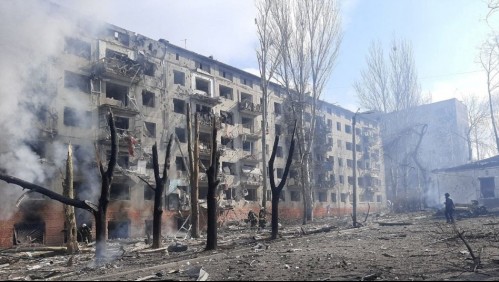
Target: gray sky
(445, 34)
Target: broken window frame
(78, 81)
(150, 129)
(119, 191)
(78, 47)
(148, 99)
(179, 77)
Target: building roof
(481, 164)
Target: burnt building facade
(147, 84)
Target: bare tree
(69, 211)
(268, 60)
(489, 59)
(159, 191)
(392, 85)
(477, 116)
(193, 148)
(99, 211)
(276, 190)
(211, 200)
(310, 37)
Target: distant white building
(474, 181)
(419, 140)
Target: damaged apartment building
(147, 84)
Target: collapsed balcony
(117, 65)
(250, 108)
(251, 176)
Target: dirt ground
(415, 246)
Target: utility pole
(354, 208)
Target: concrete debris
(177, 247)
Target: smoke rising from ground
(32, 36)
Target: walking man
(449, 208)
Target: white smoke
(32, 36)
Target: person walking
(449, 208)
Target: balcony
(250, 108)
(251, 177)
(250, 134)
(117, 66)
(251, 158)
(206, 122)
(202, 96)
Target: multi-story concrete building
(419, 140)
(147, 84)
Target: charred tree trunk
(99, 211)
(193, 147)
(106, 180)
(159, 191)
(69, 211)
(213, 181)
(276, 191)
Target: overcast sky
(445, 34)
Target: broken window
(148, 193)
(342, 179)
(251, 195)
(226, 92)
(122, 160)
(340, 162)
(122, 124)
(178, 77)
(203, 66)
(247, 122)
(343, 197)
(148, 98)
(75, 118)
(123, 38)
(149, 68)
(487, 187)
(279, 172)
(338, 126)
(228, 194)
(339, 143)
(118, 229)
(228, 142)
(177, 56)
(117, 92)
(180, 132)
(29, 232)
(349, 146)
(225, 74)
(179, 164)
(77, 47)
(322, 197)
(295, 196)
(360, 180)
(333, 197)
(119, 191)
(348, 128)
(150, 129)
(277, 109)
(329, 124)
(227, 117)
(246, 81)
(349, 163)
(36, 146)
(77, 81)
(350, 180)
(229, 168)
(282, 196)
(247, 146)
(179, 106)
(278, 129)
(203, 85)
(358, 148)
